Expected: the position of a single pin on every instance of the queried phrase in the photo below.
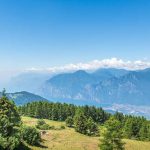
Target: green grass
(68, 139)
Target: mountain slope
(23, 97)
(132, 88)
(68, 85)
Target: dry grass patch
(68, 139)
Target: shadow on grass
(23, 147)
(41, 146)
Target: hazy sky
(45, 33)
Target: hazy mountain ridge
(28, 81)
(103, 86)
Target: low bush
(41, 124)
(30, 135)
(62, 127)
(69, 122)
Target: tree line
(60, 112)
(132, 127)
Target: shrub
(69, 122)
(30, 135)
(52, 127)
(41, 124)
(62, 127)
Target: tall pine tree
(112, 136)
(9, 121)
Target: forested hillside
(132, 127)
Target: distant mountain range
(21, 98)
(105, 86)
(113, 89)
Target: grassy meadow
(68, 139)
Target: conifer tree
(112, 136)
(9, 120)
(92, 127)
(80, 122)
(128, 128)
(69, 122)
(143, 133)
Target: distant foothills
(21, 98)
(113, 89)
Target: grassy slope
(68, 139)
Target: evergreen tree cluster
(85, 125)
(60, 112)
(136, 128)
(85, 118)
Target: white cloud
(95, 64)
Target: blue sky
(45, 33)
